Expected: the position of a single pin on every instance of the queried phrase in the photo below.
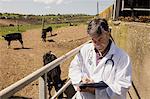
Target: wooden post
(43, 21)
(97, 8)
(17, 25)
(116, 9)
(43, 87)
(132, 8)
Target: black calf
(44, 33)
(53, 76)
(13, 36)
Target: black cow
(13, 36)
(44, 33)
(53, 76)
(11, 25)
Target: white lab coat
(117, 77)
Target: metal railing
(12, 89)
(61, 90)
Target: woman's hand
(86, 80)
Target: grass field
(27, 22)
(22, 28)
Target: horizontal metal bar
(61, 90)
(136, 9)
(10, 90)
(74, 97)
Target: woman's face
(101, 41)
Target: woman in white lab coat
(101, 61)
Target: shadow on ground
(19, 97)
(51, 40)
(21, 48)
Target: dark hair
(95, 26)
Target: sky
(44, 7)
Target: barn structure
(131, 8)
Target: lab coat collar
(103, 60)
(112, 49)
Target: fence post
(43, 87)
(43, 21)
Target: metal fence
(12, 89)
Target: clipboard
(100, 84)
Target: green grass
(23, 28)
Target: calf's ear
(3, 36)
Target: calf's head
(48, 57)
(4, 37)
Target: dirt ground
(16, 63)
